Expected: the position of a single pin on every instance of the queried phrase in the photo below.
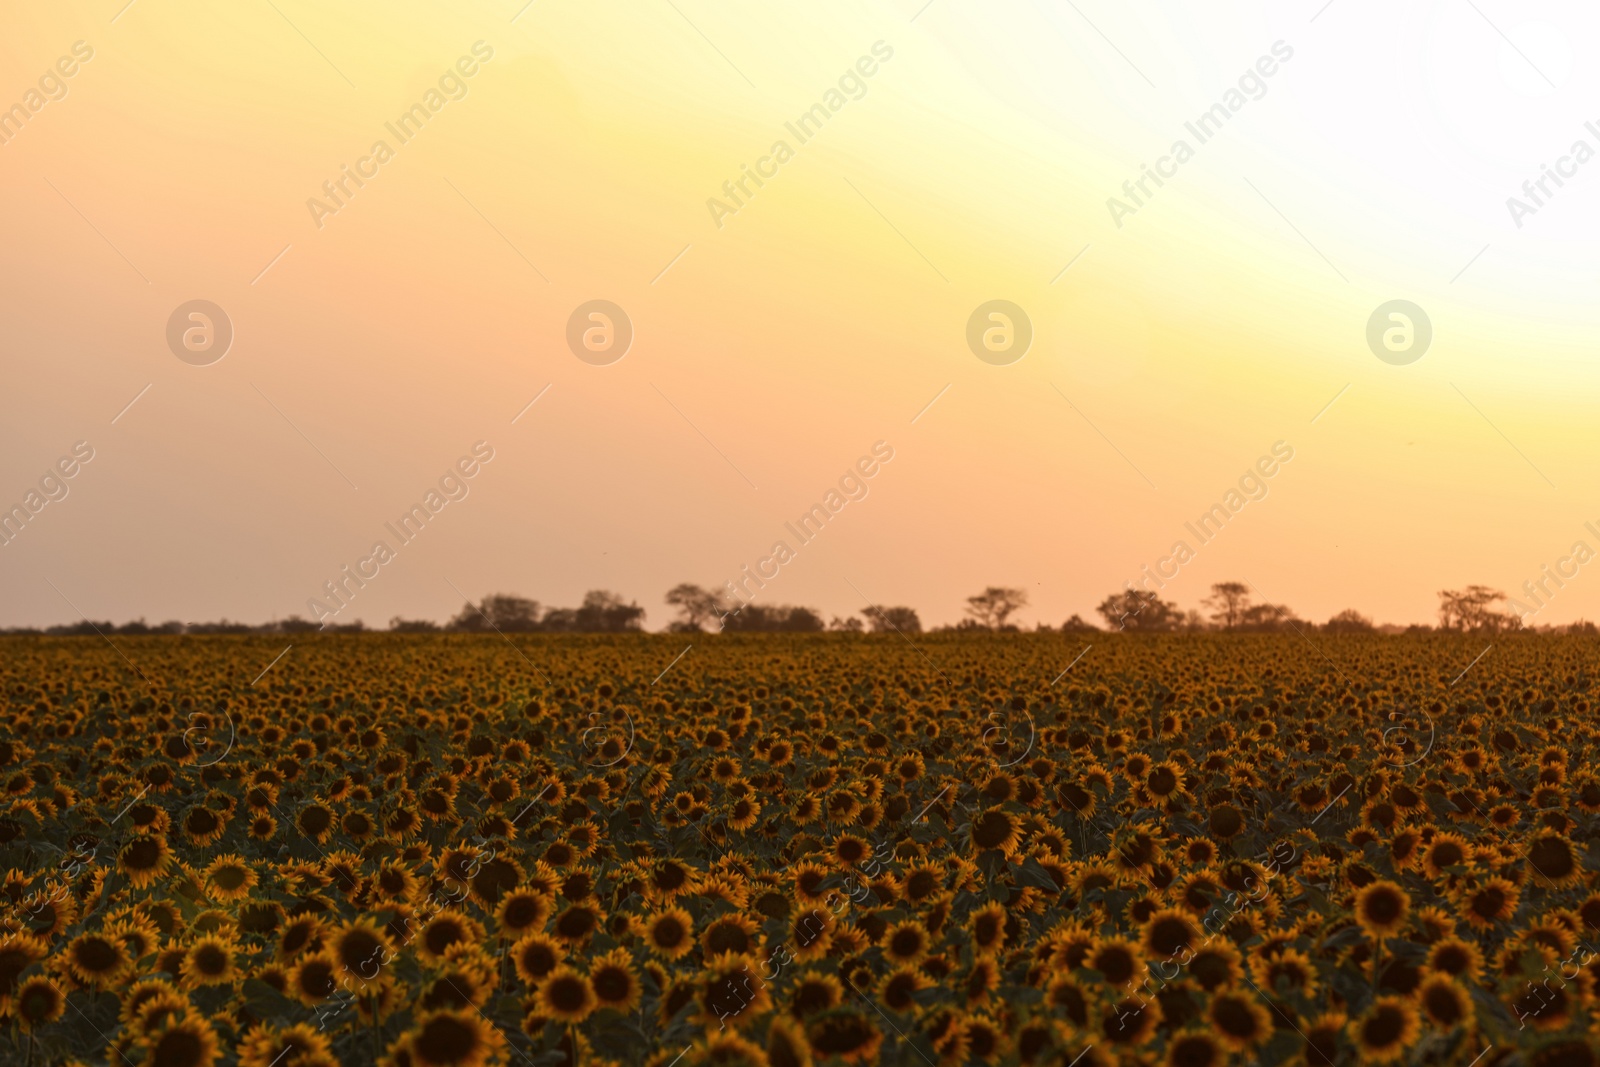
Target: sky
(355, 345)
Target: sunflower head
(1381, 908)
(453, 1039)
(1388, 1028)
(566, 995)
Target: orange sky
(964, 155)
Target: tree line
(1229, 607)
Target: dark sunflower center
(668, 933)
(211, 960)
(568, 994)
(1383, 1029)
(1233, 1018)
(97, 955)
(612, 984)
(445, 1039)
(178, 1048)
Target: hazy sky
(959, 153)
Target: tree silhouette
(1468, 609)
(1141, 610)
(890, 620)
(499, 611)
(1228, 602)
(775, 618)
(996, 604)
(1349, 621)
(697, 605)
(1267, 618)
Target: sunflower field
(460, 850)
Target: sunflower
(466, 981)
(1239, 1021)
(566, 995)
(922, 881)
(986, 1041)
(1036, 1039)
(1444, 852)
(615, 984)
(1167, 933)
(1545, 1008)
(187, 1042)
(137, 933)
(396, 883)
(1323, 1035)
(1552, 857)
(209, 961)
(38, 1002)
(1381, 908)
(668, 880)
(228, 878)
(314, 978)
(315, 821)
(51, 915)
(298, 1043)
(730, 933)
(302, 933)
(1165, 784)
(1290, 967)
(905, 943)
(807, 878)
(446, 928)
(362, 950)
(729, 990)
(1128, 1022)
(1117, 960)
(996, 829)
(900, 986)
(97, 960)
(1389, 1028)
(1405, 849)
(151, 1004)
(1444, 1002)
(668, 933)
(981, 980)
(813, 993)
(987, 925)
(1457, 958)
(811, 933)
(1226, 822)
(521, 911)
(1195, 1049)
(536, 956)
(1492, 901)
(844, 1033)
(144, 860)
(453, 1039)
(203, 826)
